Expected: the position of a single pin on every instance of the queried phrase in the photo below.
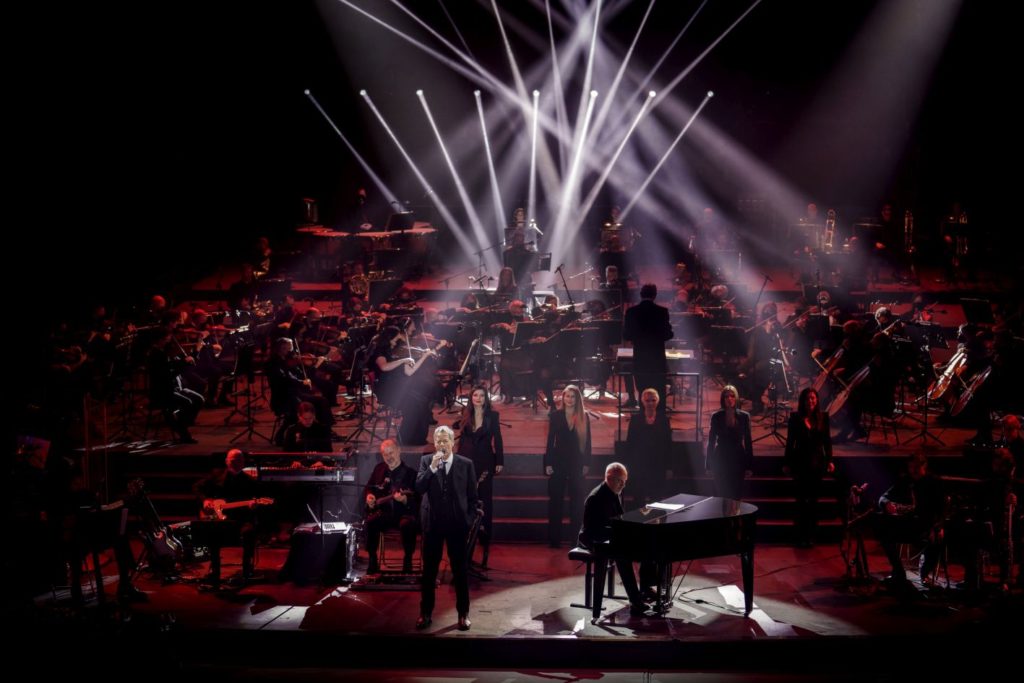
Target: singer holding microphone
(447, 485)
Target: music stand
(773, 394)
(930, 336)
(543, 261)
(403, 220)
(525, 331)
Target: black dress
(484, 447)
(730, 453)
(808, 455)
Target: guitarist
(390, 504)
(911, 512)
(230, 484)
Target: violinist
(289, 386)
(514, 361)
(208, 365)
(179, 404)
(763, 347)
(393, 368)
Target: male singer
(447, 485)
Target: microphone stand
(568, 294)
(452, 277)
(760, 292)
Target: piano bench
(581, 554)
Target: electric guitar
(157, 535)
(214, 508)
(376, 511)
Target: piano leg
(747, 563)
(664, 603)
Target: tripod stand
(364, 416)
(250, 419)
(773, 396)
(924, 434)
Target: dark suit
(647, 326)
(447, 510)
(602, 504)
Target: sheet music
(670, 507)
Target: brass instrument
(830, 231)
(359, 285)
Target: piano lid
(694, 508)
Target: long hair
(579, 417)
(468, 416)
(726, 390)
(804, 409)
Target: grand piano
(687, 527)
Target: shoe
(650, 595)
(423, 621)
(464, 622)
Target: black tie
(443, 475)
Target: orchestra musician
(290, 386)
(911, 511)
(762, 348)
(230, 484)
(393, 368)
(480, 441)
(808, 457)
(391, 504)
(446, 483)
(566, 460)
(506, 283)
(179, 404)
(307, 435)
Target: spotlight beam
(606, 105)
(686, 72)
(571, 185)
(385, 191)
(499, 208)
(596, 189)
(445, 213)
(467, 204)
(531, 197)
(561, 114)
(664, 157)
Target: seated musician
(289, 385)
(911, 511)
(393, 369)
(998, 514)
(217, 491)
(391, 504)
(614, 283)
(307, 435)
(603, 503)
(506, 283)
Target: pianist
(307, 435)
(391, 504)
(603, 503)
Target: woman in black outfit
(480, 441)
(392, 386)
(730, 456)
(808, 458)
(567, 462)
(649, 445)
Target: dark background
(185, 126)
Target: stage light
(536, 93)
(476, 93)
(593, 94)
(419, 93)
(652, 94)
(305, 92)
(362, 93)
(711, 93)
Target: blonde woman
(567, 461)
